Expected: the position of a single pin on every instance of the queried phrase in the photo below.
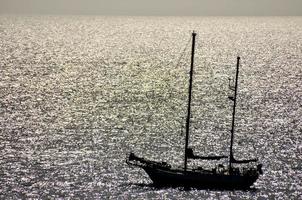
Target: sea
(79, 93)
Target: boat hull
(170, 177)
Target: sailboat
(220, 176)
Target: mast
(189, 101)
(234, 111)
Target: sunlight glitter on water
(78, 93)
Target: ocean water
(78, 93)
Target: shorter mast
(189, 101)
(234, 111)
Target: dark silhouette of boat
(219, 177)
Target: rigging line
(183, 52)
(179, 59)
(158, 45)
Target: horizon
(153, 8)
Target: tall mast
(234, 111)
(189, 101)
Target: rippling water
(78, 93)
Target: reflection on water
(78, 93)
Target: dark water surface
(80, 92)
